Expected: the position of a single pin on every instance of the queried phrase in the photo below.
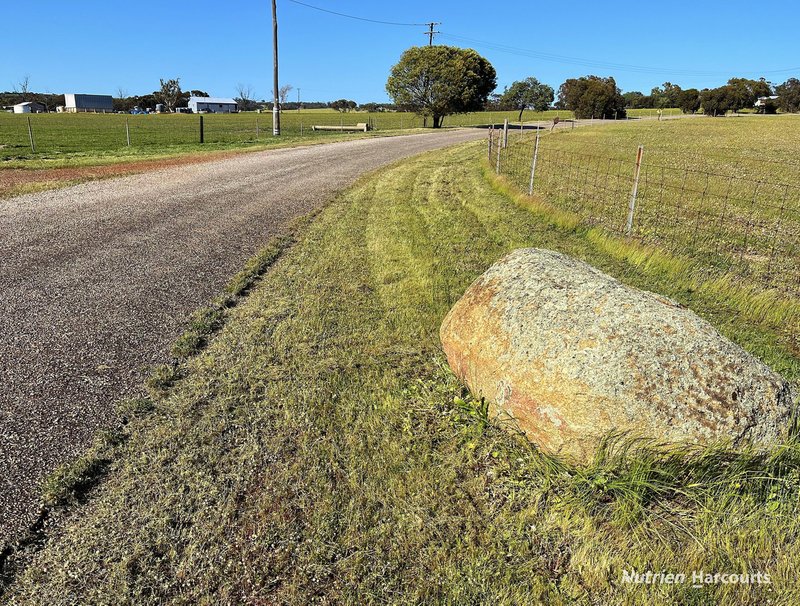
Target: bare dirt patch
(19, 180)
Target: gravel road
(96, 281)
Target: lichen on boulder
(573, 354)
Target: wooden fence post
(499, 149)
(30, 135)
(634, 193)
(533, 163)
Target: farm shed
(213, 104)
(88, 103)
(28, 107)
(763, 100)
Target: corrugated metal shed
(214, 104)
(214, 100)
(88, 103)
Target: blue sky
(98, 46)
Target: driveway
(97, 280)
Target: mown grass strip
(71, 483)
(319, 451)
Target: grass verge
(319, 451)
(72, 483)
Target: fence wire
(726, 224)
(87, 132)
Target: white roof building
(28, 107)
(216, 105)
(763, 100)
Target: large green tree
(789, 95)
(689, 100)
(667, 95)
(744, 92)
(437, 81)
(527, 94)
(592, 97)
(717, 101)
(637, 100)
(343, 105)
(738, 93)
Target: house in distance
(29, 107)
(212, 105)
(88, 103)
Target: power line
(431, 33)
(596, 64)
(563, 59)
(325, 10)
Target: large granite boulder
(571, 353)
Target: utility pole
(276, 112)
(431, 33)
(298, 99)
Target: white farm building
(28, 107)
(212, 104)
(762, 101)
(88, 103)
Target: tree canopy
(738, 93)
(592, 97)
(666, 95)
(343, 105)
(441, 80)
(789, 95)
(689, 100)
(637, 99)
(527, 94)
(744, 92)
(716, 101)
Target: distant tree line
(737, 94)
(49, 100)
(294, 105)
(342, 105)
(436, 81)
(594, 96)
(464, 82)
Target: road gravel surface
(97, 280)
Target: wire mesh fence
(24, 134)
(724, 223)
(21, 135)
